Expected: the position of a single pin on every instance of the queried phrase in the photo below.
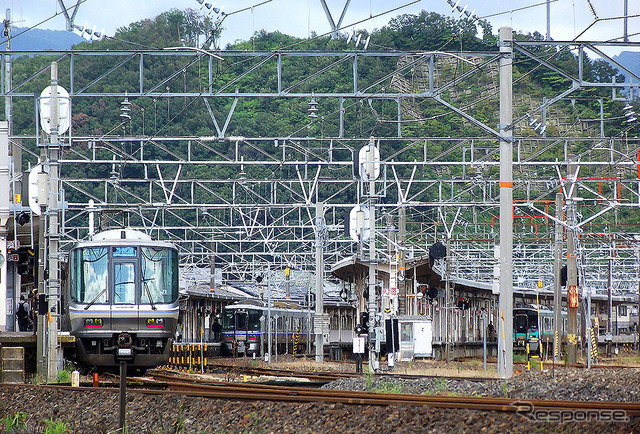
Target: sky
(569, 18)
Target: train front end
(123, 299)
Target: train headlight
(93, 323)
(155, 323)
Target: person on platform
(22, 314)
(216, 328)
(490, 331)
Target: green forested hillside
(411, 33)
(475, 89)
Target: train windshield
(89, 272)
(520, 323)
(254, 320)
(227, 320)
(159, 275)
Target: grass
(15, 422)
(63, 376)
(441, 385)
(55, 427)
(389, 387)
(368, 376)
(519, 357)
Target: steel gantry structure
(262, 211)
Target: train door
(241, 330)
(124, 300)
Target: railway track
(256, 392)
(329, 376)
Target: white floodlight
(358, 40)
(627, 107)
(532, 121)
(463, 10)
(543, 129)
(631, 120)
(455, 6)
(630, 113)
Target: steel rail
(301, 395)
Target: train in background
(245, 328)
(536, 323)
(121, 299)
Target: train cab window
(159, 269)
(254, 320)
(227, 320)
(124, 283)
(520, 323)
(89, 275)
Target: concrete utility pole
(5, 213)
(7, 71)
(548, 37)
(572, 270)
(557, 293)
(626, 20)
(318, 324)
(505, 338)
(53, 281)
(372, 304)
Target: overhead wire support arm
(473, 120)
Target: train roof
(291, 307)
(124, 236)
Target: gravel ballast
(97, 411)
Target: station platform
(29, 339)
